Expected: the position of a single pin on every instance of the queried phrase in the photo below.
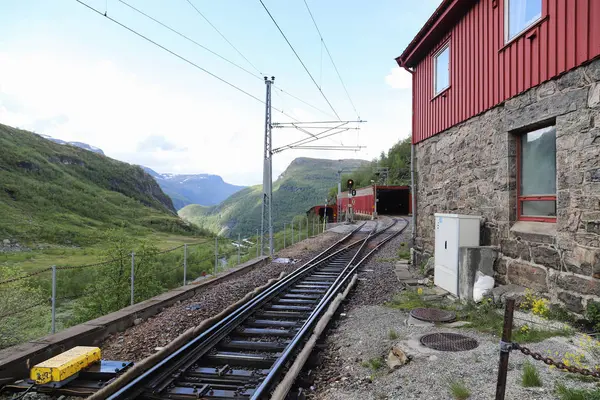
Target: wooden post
(504, 348)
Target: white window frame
(507, 38)
(435, 57)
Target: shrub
(530, 376)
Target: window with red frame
(536, 172)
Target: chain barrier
(18, 278)
(558, 364)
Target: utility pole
(267, 217)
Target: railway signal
(350, 184)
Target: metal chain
(558, 364)
(18, 278)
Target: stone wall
(471, 169)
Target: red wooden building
(392, 200)
(489, 61)
(506, 126)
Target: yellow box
(64, 365)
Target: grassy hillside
(304, 183)
(57, 194)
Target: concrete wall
(471, 169)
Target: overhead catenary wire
(181, 57)
(331, 58)
(223, 36)
(299, 59)
(196, 43)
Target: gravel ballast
(364, 332)
(142, 340)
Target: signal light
(350, 183)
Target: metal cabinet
(451, 232)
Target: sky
(73, 74)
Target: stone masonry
(471, 169)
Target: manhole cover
(449, 342)
(433, 315)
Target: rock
(137, 321)
(501, 293)
(6, 242)
(429, 267)
(396, 358)
(573, 303)
(432, 358)
(527, 275)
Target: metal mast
(267, 216)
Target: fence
(506, 346)
(54, 298)
(59, 296)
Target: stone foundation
(471, 169)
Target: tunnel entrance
(393, 200)
(329, 213)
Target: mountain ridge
(185, 189)
(60, 194)
(304, 183)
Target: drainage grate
(449, 342)
(433, 315)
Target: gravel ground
(363, 334)
(140, 341)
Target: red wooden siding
(484, 71)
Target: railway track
(243, 356)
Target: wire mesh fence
(49, 299)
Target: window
(520, 15)
(537, 175)
(442, 70)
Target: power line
(217, 54)
(181, 57)
(299, 59)
(223, 36)
(191, 40)
(331, 58)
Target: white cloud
(399, 78)
(103, 105)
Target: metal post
(257, 243)
(216, 253)
(239, 248)
(325, 216)
(284, 235)
(267, 204)
(132, 276)
(292, 232)
(53, 299)
(184, 264)
(504, 350)
(413, 205)
(339, 193)
(313, 227)
(300, 230)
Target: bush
(592, 313)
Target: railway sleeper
(282, 314)
(240, 344)
(185, 393)
(271, 323)
(287, 307)
(242, 359)
(317, 279)
(308, 291)
(266, 332)
(286, 300)
(308, 296)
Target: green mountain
(305, 183)
(52, 193)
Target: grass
(404, 254)
(392, 334)
(484, 317)
(375, 363)
(530, 376)
(459, 390)
(565, 393)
